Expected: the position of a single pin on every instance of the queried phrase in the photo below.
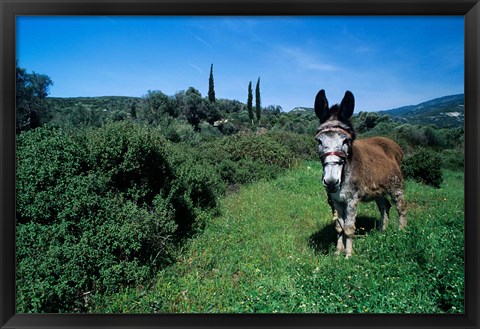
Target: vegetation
(98, 208)
(250, 102)
(115, 203)
(424, 166)
(258, 104)
(163, 203)
(31, 92)
(271, 250)
(211, 86)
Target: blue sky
(386, 62)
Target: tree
(158, 105)
(193, 107)
(250, 102)
(276, 110)
(258, 106)
(211, 87)
(212, 113)
(31, 94)
(133, 110)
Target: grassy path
(271, 250)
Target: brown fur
(376, 161)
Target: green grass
(271, 250)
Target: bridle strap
(337, 153)
(334, 129)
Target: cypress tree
(257, 100)
(211, 88)
(250, 102)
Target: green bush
(257, 147)
(301, 146)
(101, 208)
(247, 157)
(424, 166)
(453, 159)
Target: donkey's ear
(346, 106)
(321, 106)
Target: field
(184, 203)
(271, 250)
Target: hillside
(447, 111)
(443, 112)
(98, 103)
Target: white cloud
(203, 41)
(196, 67)
(306, 60)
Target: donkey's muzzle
(331, 186)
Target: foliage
(250, 102)
(271, 250)
(302, 146)
(245, 158)
(453, 159)
(424, 166)
(211, 86)
(101, 208)
(92, 111)
(31, 92)
(258, 105)
(366, 121)
(257, 147)
(157, 105)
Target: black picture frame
(470, 9)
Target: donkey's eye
(319, 142)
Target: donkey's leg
(401, 205)
(339, 223)
(349, 247)
(339, 216)
(384, 207)
(349, 226)
(332, 206)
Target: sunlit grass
(271, 250)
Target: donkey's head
(335, 136)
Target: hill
(98, 103)
(447, 111)
(443, 112)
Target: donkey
(356, 170)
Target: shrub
(246, 157)
(101, 208)
(257, 148)
(453, 159)
(196, 186)
(301, 146)
(424, 166)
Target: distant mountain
(447, 111)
